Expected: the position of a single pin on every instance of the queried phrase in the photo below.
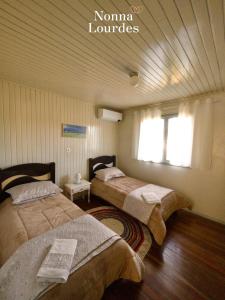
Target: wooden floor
(189, 266)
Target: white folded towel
(151, 198)
(57, 264)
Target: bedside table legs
(73, 190)
(89, 198)
(70, 194)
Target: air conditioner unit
(109, 115)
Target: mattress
(20, 223)
(116, 190)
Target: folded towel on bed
(57, 264)
(141, 208)
(151, 197)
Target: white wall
(31, 130)
(205, 188)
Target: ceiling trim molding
(173, 102)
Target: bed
(24, 224)
(116, 190)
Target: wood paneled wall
(31, 130)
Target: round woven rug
(132, 231)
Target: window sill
(168, 164)
(165, 163)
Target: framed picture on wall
(70, 130)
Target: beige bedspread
(20, 223)
(116, 190)
(23, 222)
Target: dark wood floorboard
(190, 265)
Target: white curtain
(180, 137)
(190, 138)
(136, 133)
(148, 135)
(190, 135)
(203, 135)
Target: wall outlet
(68, 149)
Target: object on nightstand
(77, 178)
(73, 188)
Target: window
(179, 139)
(175, 134)
(166, 139)
(170, 125)
(184, 139)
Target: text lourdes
(121, 28)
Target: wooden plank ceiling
(179, 50)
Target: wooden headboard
(100, 162)
(25, 173)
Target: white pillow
(33, 191)
(108, 173)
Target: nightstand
(73, 188)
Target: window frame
(166, 118)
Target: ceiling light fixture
(134, 79)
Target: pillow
(17, 180)
(33, 191)
(108, 173)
